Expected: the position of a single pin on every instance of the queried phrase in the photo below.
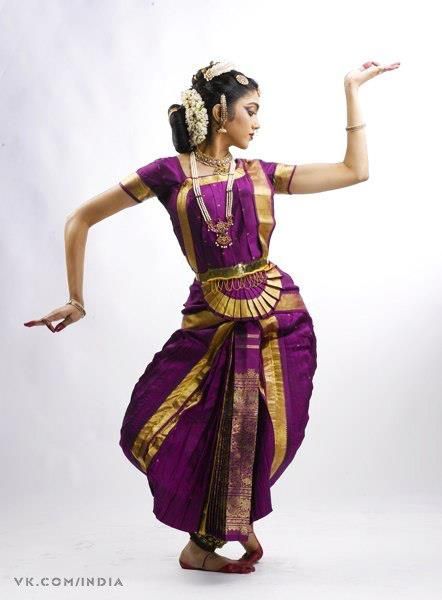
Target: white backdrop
(84, 97)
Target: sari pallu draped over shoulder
(221, 410)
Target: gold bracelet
(355, 127)
(77, 305)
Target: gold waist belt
(235, 271)
(244, 290)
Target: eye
(250, 113)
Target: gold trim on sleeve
(282, 177)
(136, 188)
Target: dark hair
(210, 92)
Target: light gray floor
(370, 550)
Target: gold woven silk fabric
(136, 188)
(253, 295)
(282, 178)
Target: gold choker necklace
(221, 165)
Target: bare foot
(252, 543)
(196, 557)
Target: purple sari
(221, 410)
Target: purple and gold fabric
(221, 410)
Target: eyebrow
(255, 103)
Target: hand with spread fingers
(71, 312)
(367, 71)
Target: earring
(223, 117)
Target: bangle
(77, 305)
(355, 127)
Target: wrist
(78, 305)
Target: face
(245, 122)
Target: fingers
(42, 321)
(380, 68)
(391, 67)
(68, 319)
(47, 322)
(64, 323)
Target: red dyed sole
(225, 569)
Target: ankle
(195, 549)
(207, 542)
(252, 542)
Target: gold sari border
(183, 397)
(183, 215)
(290, 301)
(202, 318)
(206, 318)
(263, 203)
(274, 385)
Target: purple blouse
(255, 183)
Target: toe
(238, 568)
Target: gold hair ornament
(196, 115)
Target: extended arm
(320, 177)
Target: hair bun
(232, 83)
(177, 121)
(197, 77)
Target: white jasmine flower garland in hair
(197, 118)
(217, 69)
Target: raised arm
(319, 177)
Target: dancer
(220, 411)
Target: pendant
(221, 228)
(221, 170)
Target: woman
(221, 410)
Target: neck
(215, 149)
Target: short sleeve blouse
(155, 178)
(146, 182)
(280, 174)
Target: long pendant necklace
(221, 228)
